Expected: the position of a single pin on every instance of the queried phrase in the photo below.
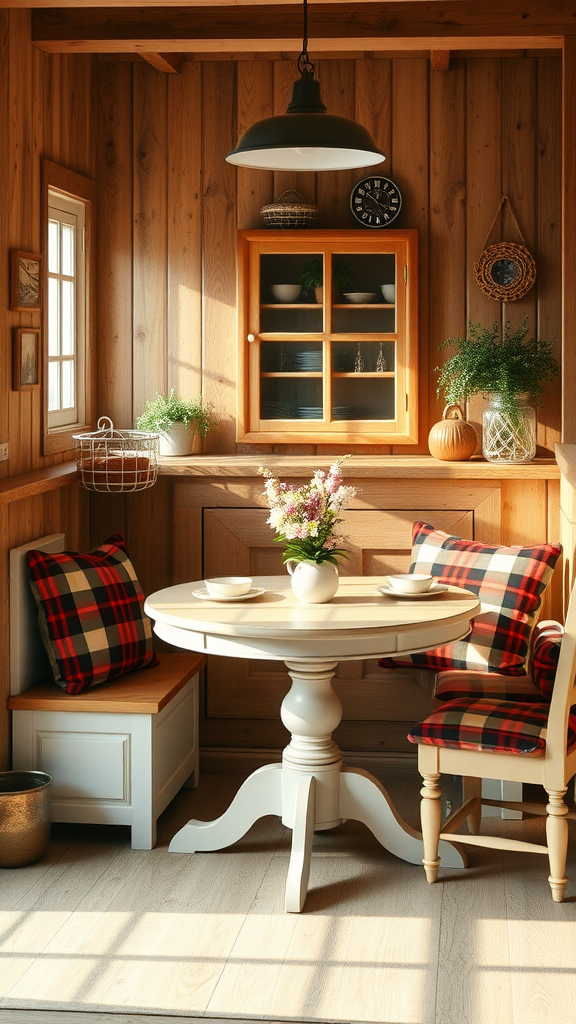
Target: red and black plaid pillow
(544, 654)
(90, 613)
(509, 582)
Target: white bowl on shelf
(286, 292)
(410, 582)
(389, 292)
(228, 586)
(360, 296)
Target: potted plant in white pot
(511, 371)
(179, 421)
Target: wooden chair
(548, 734)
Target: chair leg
(431, 818)
(470, 788)
(557, 840)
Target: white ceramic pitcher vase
(313, 582)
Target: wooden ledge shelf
(358, 466)
(27, 485)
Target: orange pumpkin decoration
(452, 439)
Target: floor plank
(73, 1017)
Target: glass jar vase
(508, 435)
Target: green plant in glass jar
(511, 370)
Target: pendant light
(306, 137)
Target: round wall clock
(375, 202)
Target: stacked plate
(309, 361)
(276, 411)
(310, 412)
(342, 412)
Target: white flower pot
(179, 439)
(313, 583)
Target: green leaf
(489, 360)
(165, 410)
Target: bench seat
(144, 692)
(119, 753)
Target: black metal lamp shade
(306, 137)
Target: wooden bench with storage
(119, 753)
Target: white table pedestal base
(310, 790)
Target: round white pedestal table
(310, 790)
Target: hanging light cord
(305, 65)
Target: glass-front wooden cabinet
(328, 328)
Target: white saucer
(205, 596)
(435, 588)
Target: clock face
(375, 202)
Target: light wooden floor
(115, 936)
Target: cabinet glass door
(363, 379)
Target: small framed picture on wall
(25, 281)
(26, 359)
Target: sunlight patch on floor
(283, 965)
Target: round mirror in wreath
(505, 271)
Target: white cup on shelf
(389, 292)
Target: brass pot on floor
(24, 817)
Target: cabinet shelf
(290, 305)
(366, 373)
(292, 373)
(364, 305)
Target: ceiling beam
(364, 26)
(167, 3)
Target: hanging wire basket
(116, 460)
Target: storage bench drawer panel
(86, 765)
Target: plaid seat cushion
(544, 654)
(509, 582)
(499, 726)
(90, 613)
(456, 685)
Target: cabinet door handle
(250, 337)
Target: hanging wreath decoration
(505, 271)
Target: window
(66, 310)
(68, 375)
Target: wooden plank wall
(47, 109)
(170, 206)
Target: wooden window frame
(59, 179)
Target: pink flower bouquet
(305, 518)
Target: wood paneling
(114, 393)
(184, 278)
(568, 238)
(47, 109)
(454, 141)
(219, 247)
(149, 257)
